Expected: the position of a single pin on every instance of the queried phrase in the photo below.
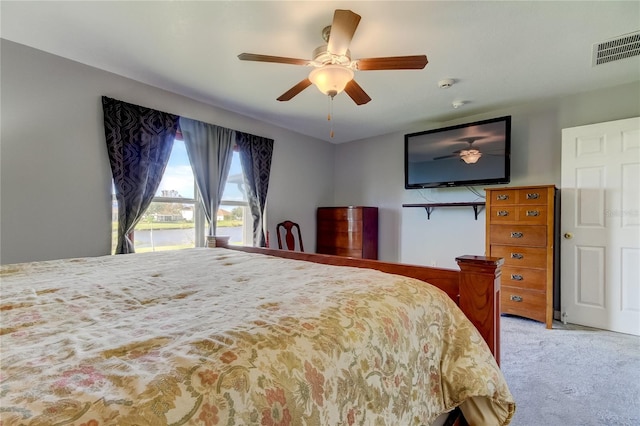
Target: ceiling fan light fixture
(470, 156)
(331, 79)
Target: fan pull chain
(330, 114)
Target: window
(175, 220)
(234, 216)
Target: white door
(600, 225)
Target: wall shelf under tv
(476, 205)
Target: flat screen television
(477, 153)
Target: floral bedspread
(221, 337)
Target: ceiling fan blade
(446, 156)
(276, 59)
(415, 62)
(286, 96)
(472, 139)
(356, 93)
(343, 28)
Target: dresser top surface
(348, 207)
(502, 188)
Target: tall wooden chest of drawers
(522, 229)
(348, 231)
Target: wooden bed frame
(475, 287)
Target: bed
(248, 336)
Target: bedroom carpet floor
(570, 375)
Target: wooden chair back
(288, 228)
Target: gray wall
(371, 172)
(55, 179)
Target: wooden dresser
(348, 231)
(522, 229)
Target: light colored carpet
(570, 375)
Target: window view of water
(167, 239)
(171, 220)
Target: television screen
(476, 153)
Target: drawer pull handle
(517, 277)
(517, 235)
(533, 196)
(517, 256)
(516, 298)
(533, 213)
(503, 213)
(502, 197)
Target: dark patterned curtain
(139, 142)
(255, 157)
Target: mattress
(215, 336)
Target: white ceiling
(499, 53)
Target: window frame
(247, 217)
(200, 225)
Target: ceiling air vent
(622, 47)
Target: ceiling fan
(333, 68)
(470, 154)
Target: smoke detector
(457, 104)
(446, 83)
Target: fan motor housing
(322, 56)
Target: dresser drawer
(532, 215)
(520, 235)
(339, 251)
(340, 213)
(341, 239)
(333, 227)
(504, 214)
(532, 196)
(529, 257)
(504, 197)
(526, 303)
(527, 278)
